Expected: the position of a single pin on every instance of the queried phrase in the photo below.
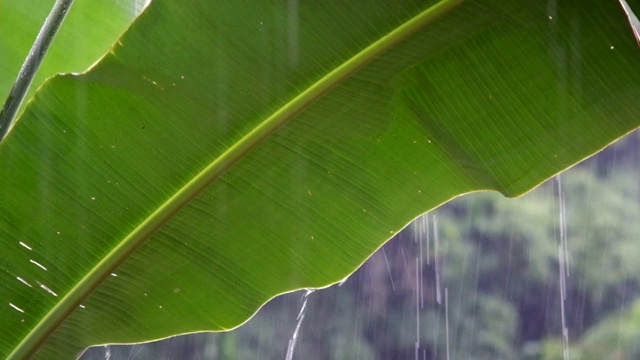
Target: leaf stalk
(31, 65)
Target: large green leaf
(226, 152)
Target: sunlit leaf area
(295, 179)
(478, 278)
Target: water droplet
(45, 288)
(16, 308)
(37, 264)
(23, 281)
(25, 245)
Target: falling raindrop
(425, 220)
(16, 308)
(563, 225)
(46, 288)
(436, 260)
(563, 297)
(37, 264)
(446, 315)
(301, 314)
(421, 225)
(386, 261)
(417, 347)
(292, 31)
(23, 281)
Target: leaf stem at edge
(31, 65)
(72, 300)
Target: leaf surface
(156, 194)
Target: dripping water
(393, 286)
(300, 318)
(563, 265)
(436, 261)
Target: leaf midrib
(65, 307)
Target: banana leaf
(226, 152)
